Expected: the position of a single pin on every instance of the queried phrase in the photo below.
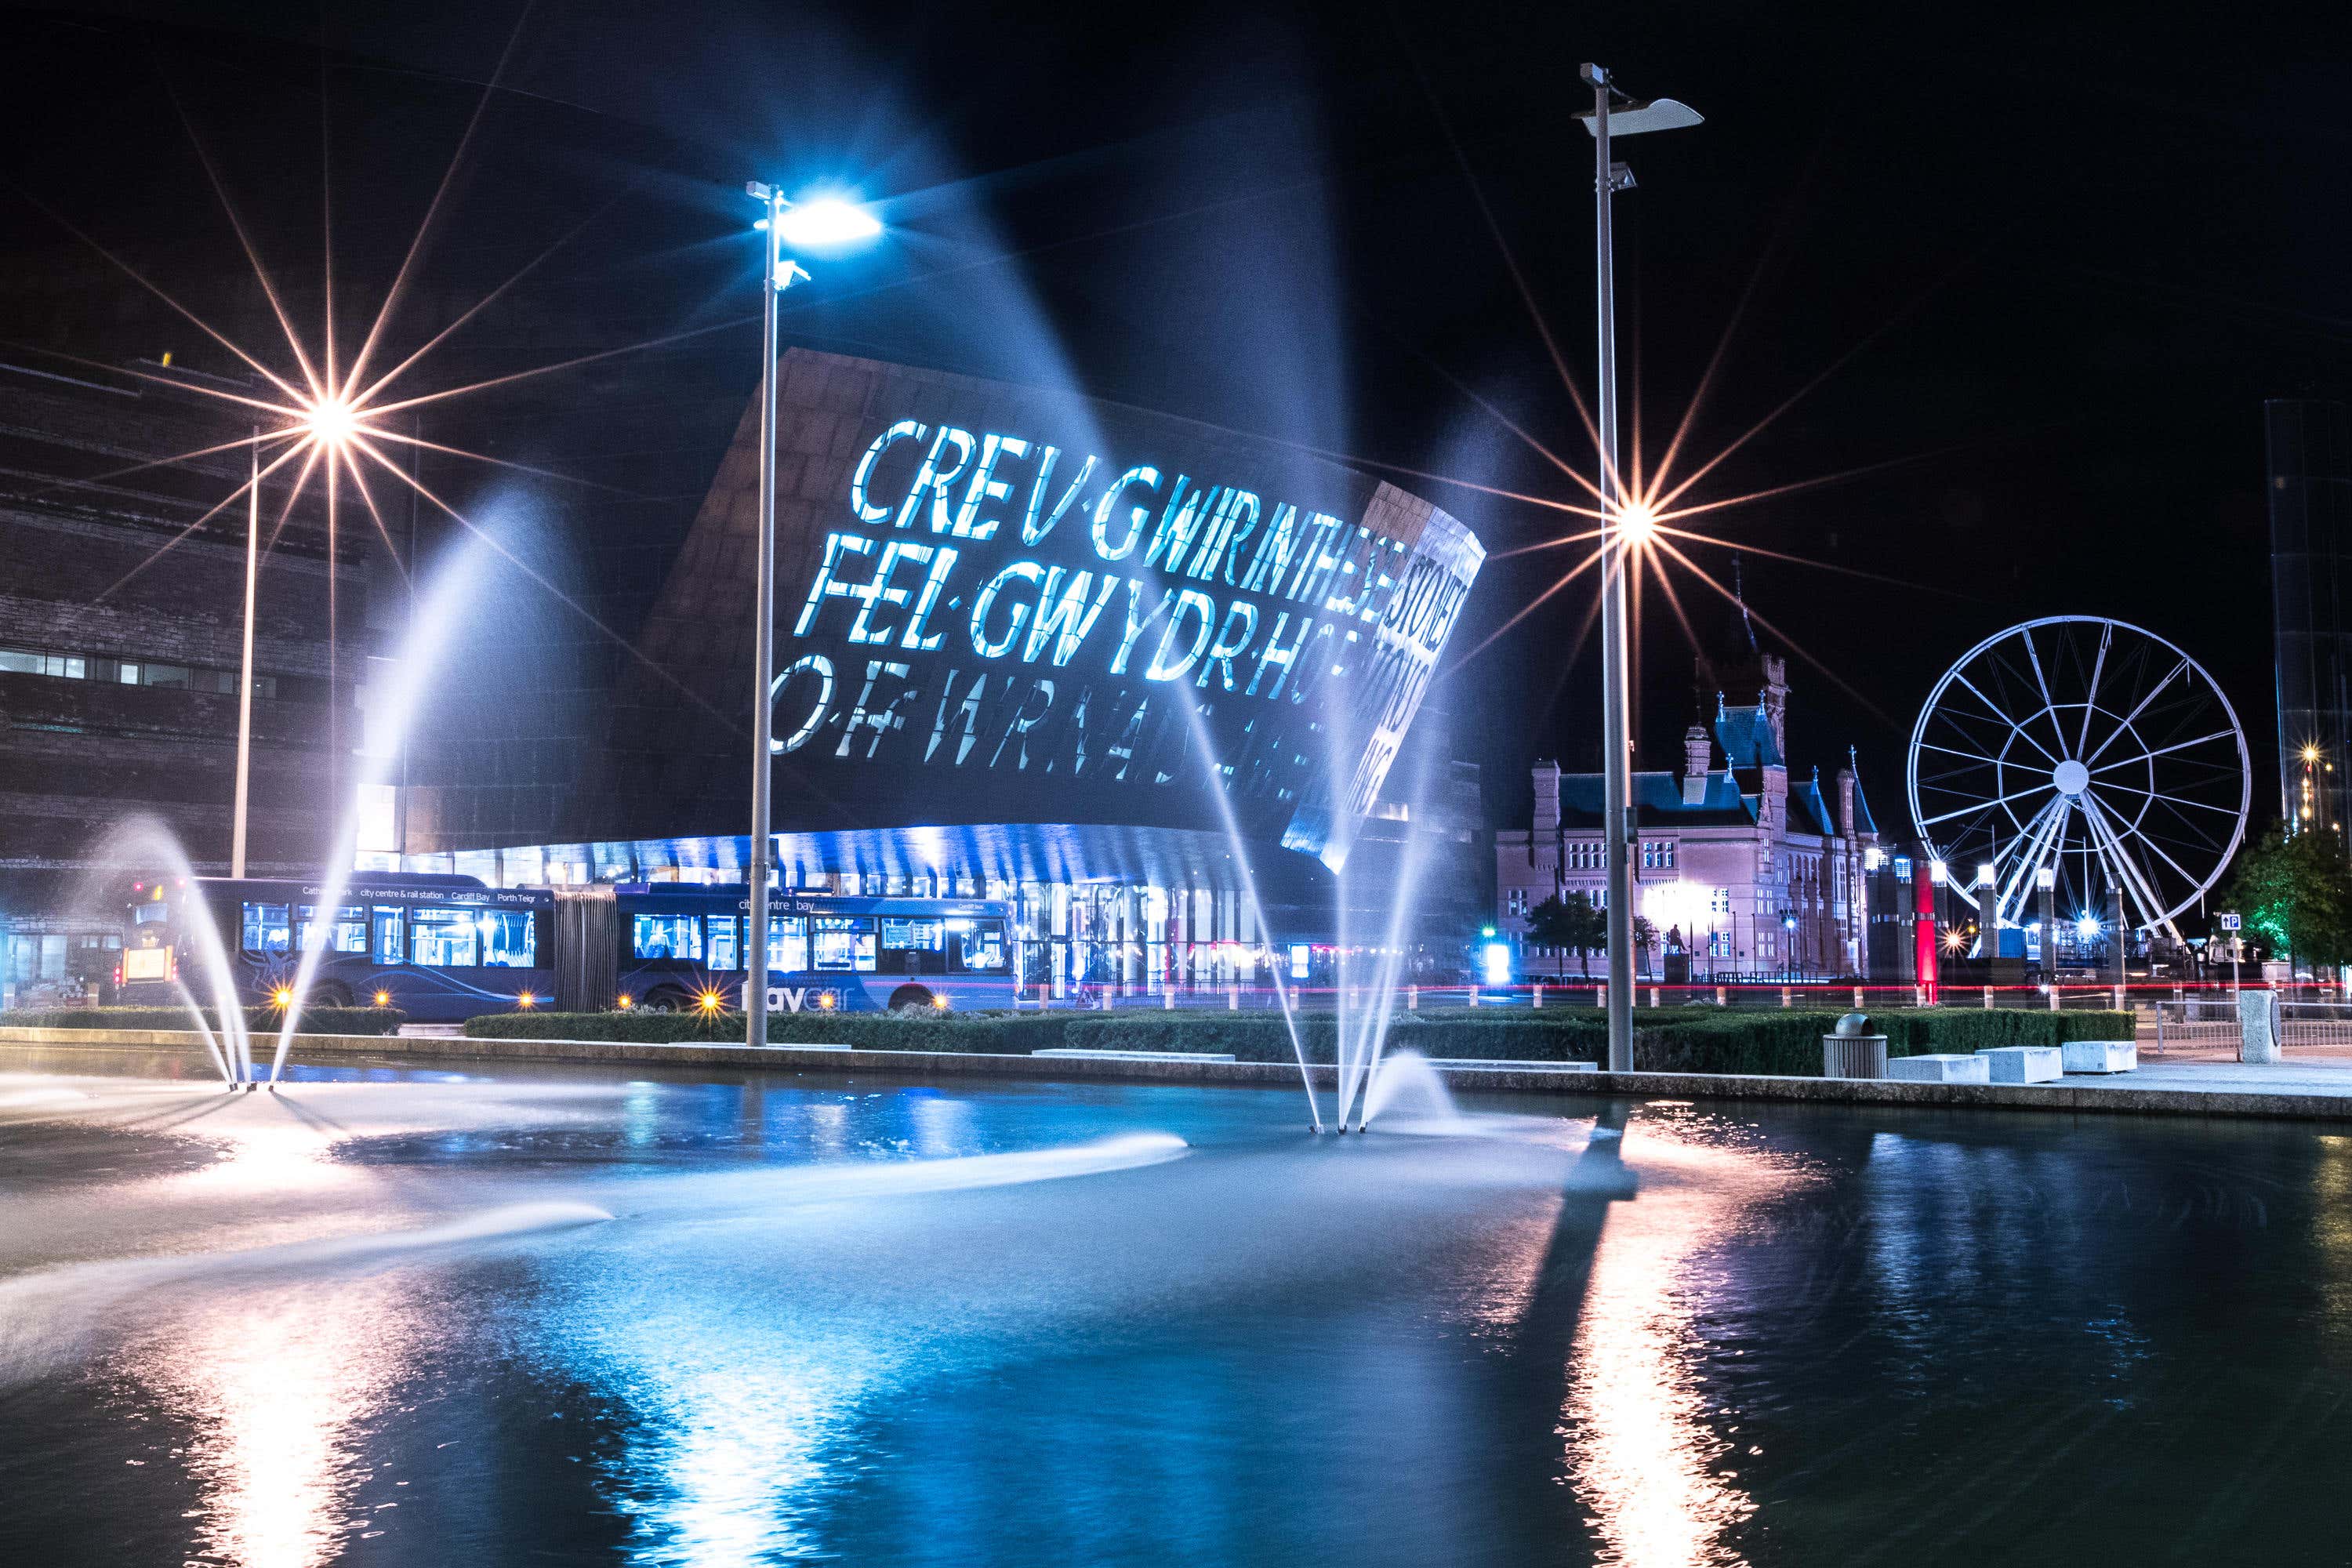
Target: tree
(1568, 924)
(1646, 937)
(2295, 896)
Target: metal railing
(2209, 1023)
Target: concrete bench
(1112, 1056)
(1939, 1067)
(2023, 1063)
(2100, 1055)
(1480, 1064)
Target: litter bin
(1851, 1051)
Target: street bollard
(1233, 999)
(1653, 995)
(1784, 996)
(2053, 996)
(2119, 998)
(1538, 993)
(1412, 998)
(1168, 998)
(1987, 996)
(1857, 998)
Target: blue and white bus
(679, 946)
(443, 949)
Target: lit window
(788, 948)
(347, 933)
(845, 943)
(267, 929)
(984, 945)
(726, 942)
(668, 938)
(509, 939)
(391, 945)
(913, 936)
(443, 938)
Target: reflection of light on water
(943, 1126)
(274, 1157)
(276, 1387)
(1642, 1457)
(727, 1419)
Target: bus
(443, 949)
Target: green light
(1486, 931)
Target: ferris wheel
(2088, 749)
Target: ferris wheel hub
(2071, 777)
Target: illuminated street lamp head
(817, 223)
(331, 421)
(2311, 753)
(1637, 523)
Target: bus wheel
(334, 994)
(663, 1001)
(911, 999)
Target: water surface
(393, 1316)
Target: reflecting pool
(395, 1316)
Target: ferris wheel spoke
(2128, 870)
(1989, 804)
(2168, 750)
(2158, 849)
(2090, 694)
(2048, 825)
(2015, 728)
(2152, 693)
(2169, 798)
(2049, 703)
(1954, 751)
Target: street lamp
(1623, 524)
(820, 223)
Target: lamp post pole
(1616, 780)
(245, 663)
(1622, 117)
(763, 639)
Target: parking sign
(2229, 920)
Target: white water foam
(46, 1317)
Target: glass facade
(2310, 472)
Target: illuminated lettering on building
(989, 600)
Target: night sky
(2034, 276)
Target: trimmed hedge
(257, 1020)
(1678, 1039)
(1001, 1034)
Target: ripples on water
(585, 1318)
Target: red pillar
(1923, 932)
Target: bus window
(509, 939)
(726, 941)
(919, 936)
(788, 945)
(443, 938)
(346, 931)
(266, 930)
(981, 945)
(914, 947)
(845, 943)
(678, 937)
(391, 934)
